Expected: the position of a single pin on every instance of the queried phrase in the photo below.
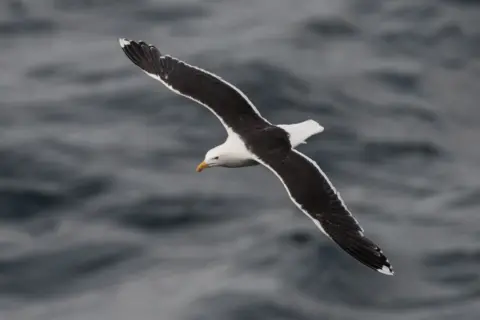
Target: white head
(220, 156)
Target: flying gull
(254, 140)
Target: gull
(253, 140)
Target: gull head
(213, 158)
(221, 156)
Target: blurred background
(102, 215)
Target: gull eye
(215, 158)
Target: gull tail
(300, 132)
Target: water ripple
(40, 275)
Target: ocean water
(102, 215)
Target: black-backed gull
(252, 140)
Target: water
(103, 216)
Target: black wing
(313, 193)
(228, 103)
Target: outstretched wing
(312, 192)
(228, 103)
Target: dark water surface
(103, 216)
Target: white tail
(300, 132)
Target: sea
(103, 217)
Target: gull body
(234, 154)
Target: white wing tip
(123, 42)
(387, 270)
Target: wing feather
(231, 106)
(313, 193)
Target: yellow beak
(202, 166)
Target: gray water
(104, 217)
